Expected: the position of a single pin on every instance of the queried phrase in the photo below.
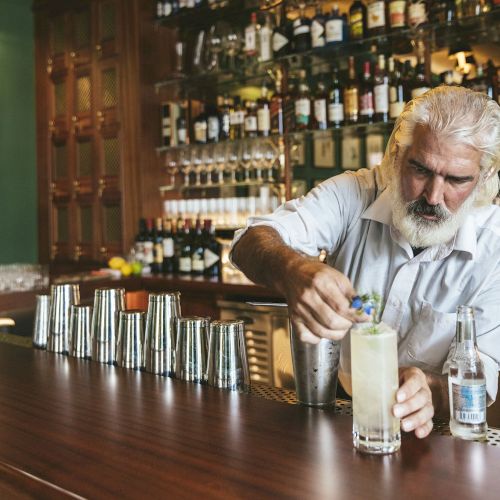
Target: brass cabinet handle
(102, 187)
(103, 250)
(78, 252)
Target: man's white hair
(456, 114)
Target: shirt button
(396, 302)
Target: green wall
(18, 198)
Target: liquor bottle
(148, 246)
(357, 20)
(157, 247)
(289, 105)
(417, 13)
(182, 4)
(482, 82)
(213, 124)
(303, 103)
(181, 126)
(407, 77)
(197, 263)
(139, 241)
(351, 94)
(237, 120)
(366, 98)
(251, 126)
(397, 15)
(201, 127)
(335, 102)
(266, 41)
(166, 125)
(281, 35)
(320, 121)
(301, 33)
(466, 381)
(225, 106)
(185, 250)
(397, 100)
(318, 28)
(263, 113)
(251, 36)
(375, 17)
(276, 107)
(178, 235)
(419, 84)
(175, 6)
(334, 27)
(211, 251)
(381, 91)
(443, 12)
(168, 265)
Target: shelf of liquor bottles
(214, 62)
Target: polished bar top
(72, 426)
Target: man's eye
(420, 170)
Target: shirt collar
(465, 239)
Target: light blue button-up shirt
(350, 217)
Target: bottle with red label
(320, 121)
(397, 15)
(366, 95)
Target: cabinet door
(61, 236)
(81, 36)
(108, 22)
(111, 227)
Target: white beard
(421, 232)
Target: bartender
(420, 230)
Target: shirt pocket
(431, 337)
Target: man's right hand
(319, 299)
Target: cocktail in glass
(374, 371)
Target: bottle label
(397, 11)
(168, 247)
(167, 8)
(265, 45)
(139, 251)
(302, 111)
(381, 98)
(301, 29)
(356, 25)
(185, 264)
(317, 34)
(419, 91)
(334, 31)
(213, 128)
(376, 15)
(416, 13)
(158, 253)
(264, 119)
(320, 110)
(351, 101)
(148, 252)
(250, 39)
(251, 124)
(181, 135)
(335, 112)
(200, 131)
(210, 258)
(279, 41)
(197, 264)
(469, 403)
(366, 104)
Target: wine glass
(232, 43)
(270, 154)
(246, 159)
(214, 48)
(208, 162)
(172, 166)
(232, 163)
(257, 161)
(220, 152)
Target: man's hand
(414, 402)
(319, 299)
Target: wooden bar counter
(70, 427)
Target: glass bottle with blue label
(466, 381)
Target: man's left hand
(414, 402)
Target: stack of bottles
(377, 93)
(166, 246)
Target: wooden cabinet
(88, 156)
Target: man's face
(434, 189)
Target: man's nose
(434, 190)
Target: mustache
(421, 207)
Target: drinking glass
(374, 371)
(232, 163)
(246, 159)
(220, 162)
(172, 167)
(232, 43)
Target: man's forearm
(440, 399)
(264, 258)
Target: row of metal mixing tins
(160, 341)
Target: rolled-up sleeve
(319, 220)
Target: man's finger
(304, 316)
(328, 318)
(424, 430)
(418, 418)
(304, 334)
(419, 400)
(410, 387)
